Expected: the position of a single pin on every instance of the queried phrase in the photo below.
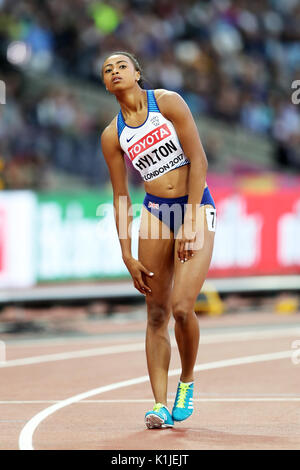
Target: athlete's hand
(138, 272)
(186, 241)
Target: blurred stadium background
(235, 62)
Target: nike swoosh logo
(128, 140)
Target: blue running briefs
(171, 210)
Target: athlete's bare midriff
(172, 184)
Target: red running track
(91, 392)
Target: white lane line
(75, 354)
(28, 402)
(150, 400)
(26, 435)
(202, 400)
(293, 329)
(123, 348)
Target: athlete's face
(119, 73)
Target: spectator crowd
(232, 60)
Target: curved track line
(132, 347)
(26, 435)
(74, 354)
(293, 328)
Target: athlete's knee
(181, 310)
(158, 314)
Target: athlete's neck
(132, 101)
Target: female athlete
(156, 131)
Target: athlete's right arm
(118, 176)
(113, 155)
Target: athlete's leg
(188, 280)
(157, 254)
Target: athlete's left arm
(174, 108)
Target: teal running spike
(184, 402)
(159, 417)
